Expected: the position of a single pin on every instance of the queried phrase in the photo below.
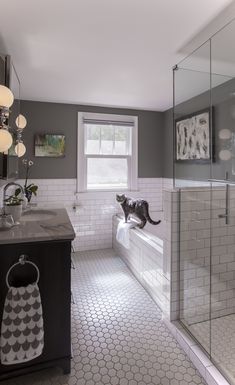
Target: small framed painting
(193, 137)
(49, 145)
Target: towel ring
(22, 261)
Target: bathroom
(104, 301)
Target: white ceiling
(101, 52)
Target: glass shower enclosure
(204, 173)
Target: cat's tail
(151, 221)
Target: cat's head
(120, 198)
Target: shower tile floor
(222, 341)
(118, 336)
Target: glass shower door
(204, 82)
(191, 171)
(223, 202)
(223, 277)
(195, 274)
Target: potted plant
(29, 189)
(13, 206)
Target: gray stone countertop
(37, 225)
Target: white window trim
(81, 162)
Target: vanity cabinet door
(53, 261)
(9, 167)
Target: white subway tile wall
(167, 183)
(92, 220)
(202, 231)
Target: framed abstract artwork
(192, 137)
(49, 145)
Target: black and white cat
(138, 207)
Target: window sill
(104, 193)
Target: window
(107, 152)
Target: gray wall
(59, 118)
(168, 145)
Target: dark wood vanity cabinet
(53, 260)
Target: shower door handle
(226, 214)
(223, 216)
(226, 180)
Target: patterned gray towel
(22, 333)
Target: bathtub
(148, 258)
(154, 233)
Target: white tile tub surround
(145, 260)
(155, 262)
(93, 220)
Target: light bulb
(225, 155)
(21, 121)
(6, 97)
(20, 149)
(225, 133)
(5, 140)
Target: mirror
(8, 76)
(2, 69)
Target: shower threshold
(214, 371)
(221, 332)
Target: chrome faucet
(5, 191)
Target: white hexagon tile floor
(118, 336)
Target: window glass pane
(102, 139)
(92, 139)
(122, 140)
(107, 140)
(105, 173)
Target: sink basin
(4, 228)
(37, 215)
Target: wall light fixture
(6, 140)
(6, 101)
